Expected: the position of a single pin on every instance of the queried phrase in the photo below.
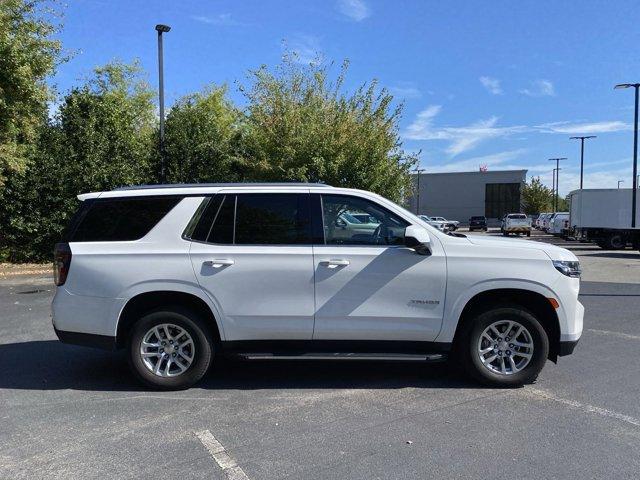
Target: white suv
(181, 274)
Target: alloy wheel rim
(167, 350)
(505, 347)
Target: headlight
(568, 268)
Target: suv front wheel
(505, 347)
(170, 348)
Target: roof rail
(207, 185)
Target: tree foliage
(536, 197)
(28, 54)
(202, 135)
(100, 139)
(301, 126)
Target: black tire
(468, 342)
(195, 327)
(615, 242)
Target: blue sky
(498, 83)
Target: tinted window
(272, 219)
(222, 229)
(122, 219)
(385, 228)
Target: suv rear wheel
(505, 347)
(170, 348)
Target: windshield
(519, 216)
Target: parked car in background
(478, 223)
(547, 222)
(560, 224)
(540, 220)
(451, 224)
(434, 223)
(178, 276)
(517, 223)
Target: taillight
(61, 263)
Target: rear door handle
(221, 262)
(335, 263)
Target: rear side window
(272, 219)
(121, 219)
(518, 216)
(256, 219)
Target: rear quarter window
(120, 219)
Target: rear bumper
(102, 342)
(566, 348)
(518, 229)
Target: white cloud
(492, 85)
(461, 139)
(305, 48)
(220, 20)
(540, 88)
(357, 10)
(405, 90)
(571, 128)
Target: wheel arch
(535, 302)
(144, 302)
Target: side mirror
(418, 239)
(340, 223)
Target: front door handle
(221, 262)
(335, 263)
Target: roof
(220, 185)
(474, 172)
(193, 189)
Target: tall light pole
(557, 182)
(161, 29)
(619, 182)
(418, 172)
(635, 152)
(582, 139)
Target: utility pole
(161, 29)
(418, 172)
(582, 139)
(634, 188)
(553, 189)
(557, 183)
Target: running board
(395, 357)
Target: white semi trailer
(603, 216)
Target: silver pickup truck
(516, 223)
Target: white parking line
(603, 412)
(614, 334)
(220, 455)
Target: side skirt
(336, 350)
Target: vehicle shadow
(52, 365)
(626, 254)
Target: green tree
(101, 138)
(201, 138)
(536, 197)
(28, 54)
(301, 126)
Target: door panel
(254, 259)
(384, 293)
(266, 294)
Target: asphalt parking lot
(73, 412)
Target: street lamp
(619, 182)
(418, 172)
(582, 139)
(557, 182)
(161, 29)
(635, 151)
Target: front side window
(356, 221)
